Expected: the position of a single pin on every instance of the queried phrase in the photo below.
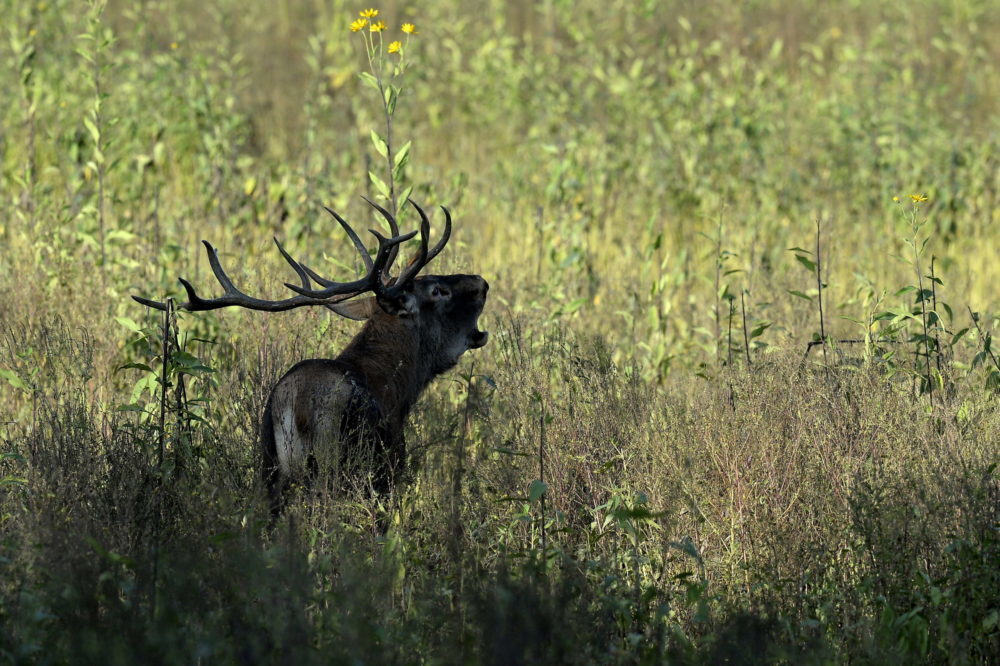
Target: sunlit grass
(630, 179)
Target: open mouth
(478, 339)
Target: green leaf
(13, 379)
(573, 306)
(759, 330)
(399, 169)
(403, 154)
(391, 96)
(379, 184)
(808, 263)
(536, 490)
(993, 381)
(958, 336)
(92, 128)
(380, 145)
(905, 290)
(509, 452)
(800, 295)
(799, 249)
(405, 194)
(369, 80)
(129, 324)
(135, 366)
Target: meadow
(739, 403)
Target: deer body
(352, 410)
(349, 412)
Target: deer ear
(402, 305)
(358, 310)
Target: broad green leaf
(13, 379)
(536, 490)
(380, 145)
(135, 366)
(403, 154)
(129, 324)
(391, 97)
(379, 184)
(405, 194)
(947, 308)
(92, 129)
(808, 263)
(369, 80)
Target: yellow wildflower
(358, 24)
(394, 47)
(32, 32)
(895, 199)
(409, 28)
(368, 13)
(174, 46)
(378, 26)
(918, 198)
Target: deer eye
(440, 292)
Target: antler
(332, 292)
(387, 287)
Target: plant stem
(746, 338)
(718, 303)
(541, 473)
(937, 315)
(923, 318)
(819, 293)
(729, 334)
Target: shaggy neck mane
(387, 354)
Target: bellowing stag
(353, 407)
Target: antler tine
(370, 281)
(232, 295)
(296, 266)
(362, 250)
(424, 257)
(444, 237)
(394, 229)
(419, 259)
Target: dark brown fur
(401, 348)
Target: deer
(350, 411)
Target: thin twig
(718, 303)
(937, 315)
(729, 334)
(746, 338)
(819, 292)
(923, 320)
(541, 473)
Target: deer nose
(485, 288)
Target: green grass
(616, 477)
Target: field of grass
(656, 459)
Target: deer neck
(387, 354)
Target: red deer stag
(353, 407)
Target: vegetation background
(645, 465)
